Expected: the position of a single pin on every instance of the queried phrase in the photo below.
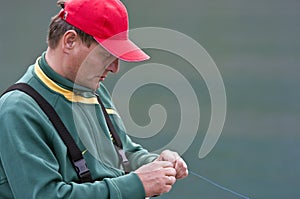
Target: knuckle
(167, 188)
(166, 179)
(173, 171)
(173, 180)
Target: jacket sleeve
(30, 164)
(136, 154)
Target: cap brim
(125, 50)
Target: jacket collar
(71, 91)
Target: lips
(102, 78)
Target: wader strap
(116, 139)
(73, 151)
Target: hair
(58, 27)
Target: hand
(157, 177)
(178, 163)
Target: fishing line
(218, 185)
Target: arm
(29, 158)
(157, 173)
(136, 154)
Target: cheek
(91, 68)
(95, 63)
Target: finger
(170, 180)
(181, 169)
(180, 163)
(168, 155)
(170, 172)
(164, 164)
(182, 174)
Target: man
(86, 40)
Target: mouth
(102, 78)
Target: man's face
(93, 64)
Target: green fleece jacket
(34, 162)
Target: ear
(69, 40)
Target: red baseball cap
(107, 22)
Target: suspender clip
(81, 168)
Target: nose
(114, 66)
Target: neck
(56, 61)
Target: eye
(106, 53)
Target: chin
(92, 87)
(98, 86)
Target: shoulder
(17, 104)
(15, 98)
(22, 118)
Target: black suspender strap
(74, 152)
(116, 138)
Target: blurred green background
(256, 47)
